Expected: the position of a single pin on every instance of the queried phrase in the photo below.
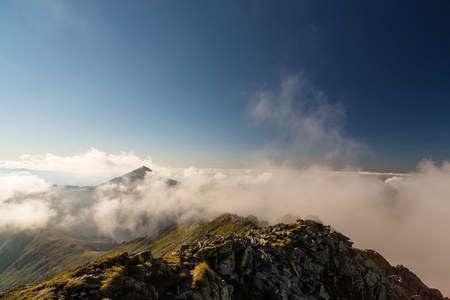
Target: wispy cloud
(310, 128)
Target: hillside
(232, 258)
(171, 238)
(33, 256)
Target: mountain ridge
(300, 260)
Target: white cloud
(28, 214)
(21, 183)
(22, 203)
(309, 126)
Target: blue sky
(181, 81)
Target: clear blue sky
(174, 79)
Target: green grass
(112, 281)
(47, 255)
(202, 275)
(172, 237)
(297, 228)
(374, 260)
(46, 290)
(286, 244)
(51, 254)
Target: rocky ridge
(301, 260)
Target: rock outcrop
(301, 260)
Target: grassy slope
(62, 250)
(46, 290)
(11, 246)
(174, 236)
(30, 257)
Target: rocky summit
(301, 260)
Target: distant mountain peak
(143, 168)
(138, 174)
